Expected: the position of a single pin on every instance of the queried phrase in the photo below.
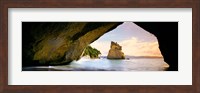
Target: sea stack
(115, 51)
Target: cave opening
(167, 36)
(135, 41)
(60, 43)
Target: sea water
(104, 64)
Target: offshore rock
(115, 51)
(57, 43)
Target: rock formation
(115, 51)
(59, 43)
(167, 35)
(56, 43)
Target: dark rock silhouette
(115, 51)
(167, 35)
(57, 43)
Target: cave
(167, 35)
(59, 43)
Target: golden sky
(135, 41)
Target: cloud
(134, 40)
(103, 47)
(135, 47)
(132, 47)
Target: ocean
(104, 64)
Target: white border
(181, 77)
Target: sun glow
(134, 40)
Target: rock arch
(57, 43)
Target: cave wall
(167, 35)
(57, 43)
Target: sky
(135, 41)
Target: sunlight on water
(104, 64)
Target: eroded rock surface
(115, 51)
(58, 43)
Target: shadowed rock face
(167, 35)
(115, 51)
(60, 43)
